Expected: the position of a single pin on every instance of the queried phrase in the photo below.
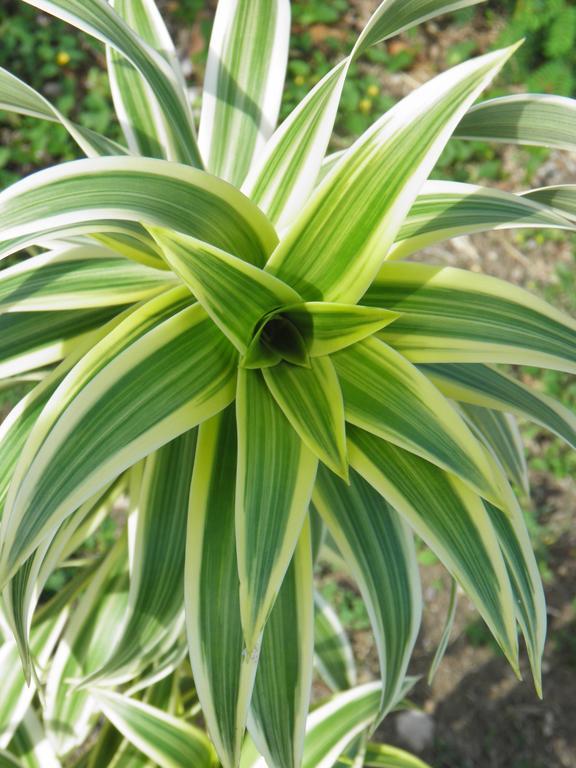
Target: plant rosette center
(279, 336)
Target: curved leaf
(98, 19)
(490, 388)
(17, 96)
(78, 277)
(243, 85)
(379, 550)
(523, 118)
(446, 209)
(386, 395)
(332, 257)
(88, 193)
(168, 741)
(454, 316)
(158, 374)
(451, 520)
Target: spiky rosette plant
(227, 333)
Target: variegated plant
(225, 331)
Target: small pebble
(415, 729)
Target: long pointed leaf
(454, 316)
(78, 277)
(17, 96)
(157, 584)
(524, 118)
(141, 116)
(378, 548)
(136, 390)
(311, 400)
(89, 193)
(284, 678)
(446, 209)
(168, 741)
(451, 520)
(223, 671)
(275, 475)
(243, 84)
(386, 395)
(490, 388)
(97, 18)
(287, 170)
(332, 257)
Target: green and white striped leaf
(446, 632)
(31, 746)
(236, 294)
(331, 729)
(275, 476)
(453, 316)
(451, 520)
(99, 20)
(502, 437)
(395, 16)
(525, 579)
(17, 96)
(334, 657)
(386, 395)
(167, 740)
(561, 197)
(29, 341)
(446, 209)
(384, 756)
(223, 671)
(393, 159)
(288, 167)
(7, 760)
(283, 683)
(523, 118)
(329, 328)
(333, 726)
(159, 373)
(78, 277)
(488, 387)
(25, 588)
(156, 579)
(17, 695)
(16, 427)
(243, 85)
(94, 628)
(311, 400)
(145, 125)
(379, 550)
(317, 533)
(87, 194)
(353, 756)
(113, 751)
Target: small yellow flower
(365, 105)
(373, 90)
(62, 58)
(299, 80)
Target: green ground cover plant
(234, 358)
